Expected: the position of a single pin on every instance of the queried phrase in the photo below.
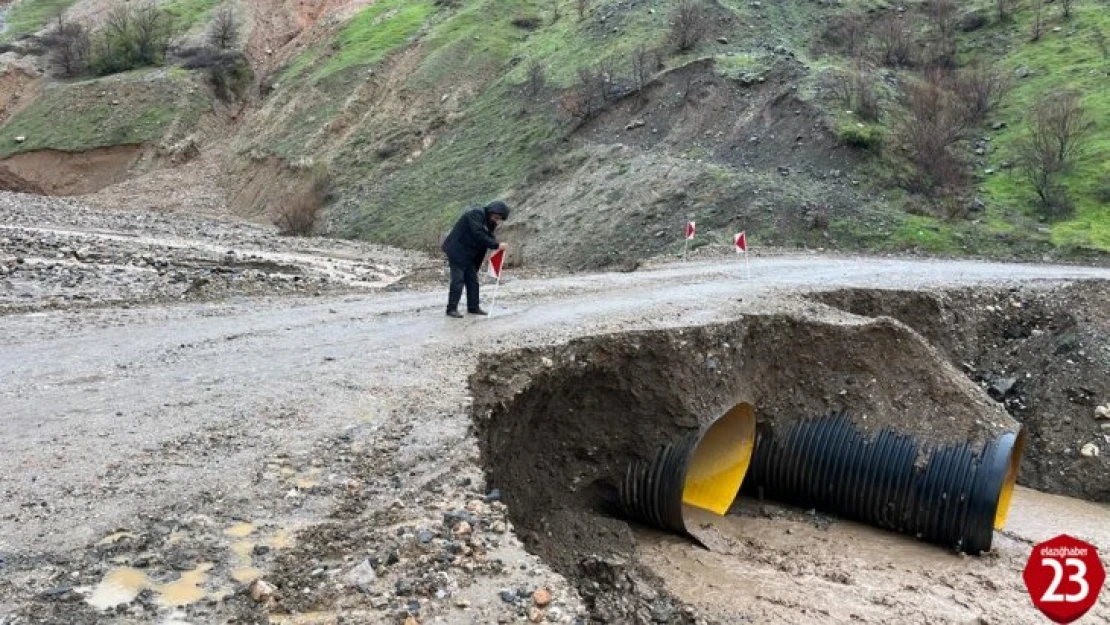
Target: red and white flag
(495, 262)
(689, 230)
(741, 242)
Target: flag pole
(685, 244)
(747, 266)
(497, 286)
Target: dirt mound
(1044, 353)
(556, 427)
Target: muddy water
(772, 565)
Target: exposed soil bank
(558, 426)
(73, 173)
(1043, 353)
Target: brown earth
(1045, 354)
(74, 173)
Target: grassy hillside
(126, 109)
(421, 109)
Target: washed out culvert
(592, 441)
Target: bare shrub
(299, 212)
(225, 29)
(584, 100)
(847, 32)
(893, 39)
(583, 7)
(981, 88)
(1058, 132)
(689, 23)
(68, 47)
(857, 91)
(536, 78)
(1038, 20)
(942, 45)
(556, 11)
(643, 60)
(932, 123)
(1005, 9)
(1065, 8)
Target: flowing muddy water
(777, 565)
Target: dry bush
(556, 11)
(535, 81)
(300, 211)
(643, 62)
(225, 29)
(1059, 129)
(583, 7)
(68, 45)
(857, 91)
(1038, 20)
(932, 123)
(894, 43)
(942, 45)
(689, 23)
(584, 100)
(1005, 9)
(1065, 8)
(981, 88)
(847, 32)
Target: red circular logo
(1064, 577)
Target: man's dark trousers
(464, 275)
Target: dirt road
(165, 438)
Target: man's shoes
(477, 311)
(454, 313)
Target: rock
(362, 576)
(411, 620)
(977, 205)
(1090, 450)
(1023, 72)
(462, 529)
(476, 506)
(535, 615)
(508, 596)
(20, 139)
(998, 125)
(1102, 412)
(425, 536)
(462, 603)
(988, 171)
(973, 21)
(554, 615)
(494, 495)
(1000, 387)
(261, 590)
(498, 527)
(542, 597)
(722, 40)
(785, 171)
(636, 123)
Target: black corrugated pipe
(956, 498)
(703, 469)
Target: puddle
(112, 539)
(187, 589)
(240, 530)
(118, 586)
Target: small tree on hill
(68, 47)
(224, 31)
(1058, 131)
(689, 23)
(932, 123)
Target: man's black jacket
(469, 239)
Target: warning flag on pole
(741, 241)
(689, 230)
(495, 262)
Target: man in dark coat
(466, 246)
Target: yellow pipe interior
(1004, 498)
(721, 460)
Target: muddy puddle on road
(558, 429)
